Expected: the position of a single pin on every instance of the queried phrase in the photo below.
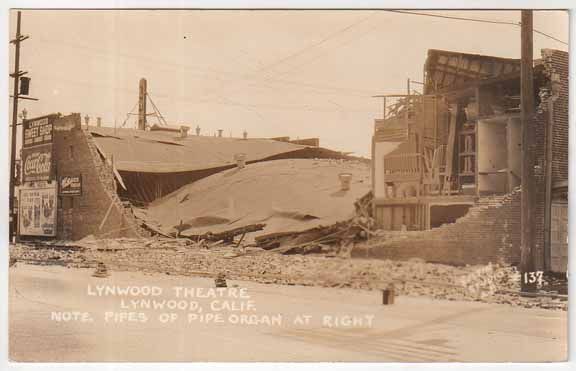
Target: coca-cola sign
(37, 164)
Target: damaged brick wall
(489, 232)
(75, 154)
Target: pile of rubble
(48, 254)
(241, 262)
(336, 239)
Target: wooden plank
(226, 235)
(450, 146)
(119, 178)
(476, 178)
(106, 216)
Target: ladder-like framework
(428, 138)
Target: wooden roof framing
(446, 69)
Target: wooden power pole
(527, 252)
(16, 76)
(142, 105)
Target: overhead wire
(518, 24)
(318, 56)
(480, 20)
(201, 72)
(227, 102)
(217, 100)
(317, 43)
(452, 17)
(302, 51)
(549, 36)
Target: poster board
(37, 211)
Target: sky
(298, 73)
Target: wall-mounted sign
(37, 132)
(37, 164)
(37, 215)
(70, 185)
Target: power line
(224, 76)
(454, 17)
(310, 60)
(317, 43)
(228, 102)
(269, 80)
(518, 24)
(550, 36)
(218, 100)
(192, 100)
(321, 54)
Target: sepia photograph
(287, 185)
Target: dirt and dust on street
(60, 314)
(181, 257)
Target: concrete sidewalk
(345, 324)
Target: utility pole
(16, 75)
(408, 86)
(142, 104)
(527, 250)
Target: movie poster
(38, 211)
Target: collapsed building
(153, 163)
(276, 197)
(447, 163)
(79, 180)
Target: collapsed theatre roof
(165, 152)
(285, 195)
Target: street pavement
(55, 316)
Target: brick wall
(489, 232)
(538, 150)
(555, 123)
(75, 153)
(556, 64)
